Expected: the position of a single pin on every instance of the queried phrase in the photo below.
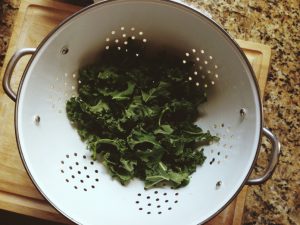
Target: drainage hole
(169, 208)
(70, 167)
(140, 208)
(75, 154)
(73, 176)
(77, 163)
(81, 181)
(84, 189)
(93, 186)
(75, 187)
(149, 204)
(137, 202)
(62, 171)
(148, 212)
(67, 180)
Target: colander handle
(273, 158)
(10, 68)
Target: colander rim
(176, 4)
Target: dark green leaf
(137, 116)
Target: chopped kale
(138, 114)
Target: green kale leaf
(137, 116)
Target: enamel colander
(59, 163)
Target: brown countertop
(275, 23)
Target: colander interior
(58, 161)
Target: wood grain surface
(36, 18)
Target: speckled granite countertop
(271, 22)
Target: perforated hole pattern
(156, 201)
(204, 68)
(79, 171)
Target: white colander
(59, 163)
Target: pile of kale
(137, 114)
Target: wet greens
(137, 114)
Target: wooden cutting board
(17, 193)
